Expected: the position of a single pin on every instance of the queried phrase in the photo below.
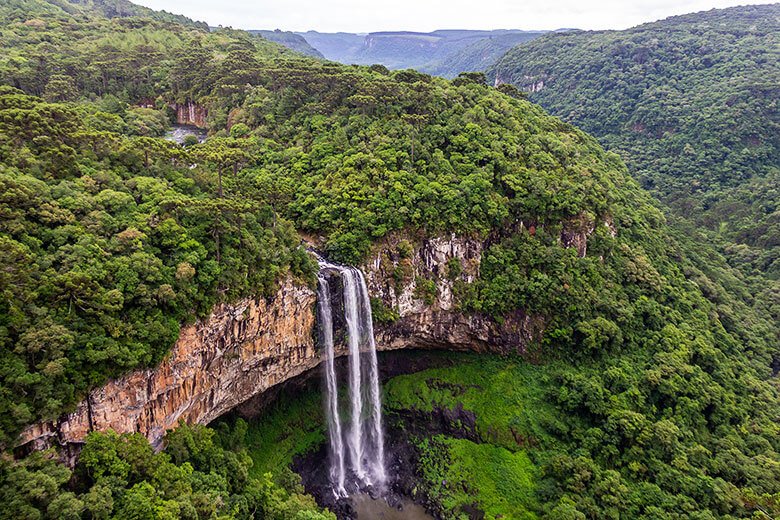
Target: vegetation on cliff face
(691, 103)
(112, 236)
(290, 40)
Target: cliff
(190, 113)
(240, 350)
(418, 283)
(245, 348)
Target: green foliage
(109, 243)
(190, 140)
(381, 313)
(657, 434)
(121, 476)
(507, 397)
(425, 289)
(96, 48)
(435, 156)
(462, 474)
(654, 397)
(691, 104)
(454, 268)
(293, 425)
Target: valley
(443, 53)
(243, 280)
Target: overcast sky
(428, 15)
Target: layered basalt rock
(240, 350)
(243, 349)
(418, 282)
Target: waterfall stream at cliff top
(356, 447)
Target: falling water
(375, 431)
(364, 438)
(337, 473)
(352, 317)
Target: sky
(427, 15)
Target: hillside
(443, 53)
(27, 9)
(690, 103)
(645, 391)
(341, 46)
(290, 40)
(478, 55)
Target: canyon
(245, 348)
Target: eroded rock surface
(190, 113)
(240, 350)
(245, 348)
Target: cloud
(428, 15)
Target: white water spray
(364, 439)
(337, 472)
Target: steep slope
(478, 55)
(691, 104)
(290, 40)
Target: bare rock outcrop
(190, 113)
(243, 349)
(240, 350)
(418, 281)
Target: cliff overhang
(244, 348)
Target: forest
(690, 103)
(651, 393)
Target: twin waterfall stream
(357, 452)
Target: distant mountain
(341, 47)
(691, 102)
(290, 40)
(443, 52)
(478, 55)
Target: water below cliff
(312, 460)
(367, 508)
(178, 133)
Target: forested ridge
(691, 103)
(655, 360)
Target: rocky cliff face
(245, 348)
(240, 350)
(190, 113)
(418, 283)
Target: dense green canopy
(112, 237)
(690, 102)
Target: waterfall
(352, 317)
(363, 439)
(325, 315)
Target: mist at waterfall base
(356, 454)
